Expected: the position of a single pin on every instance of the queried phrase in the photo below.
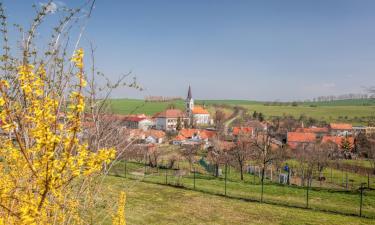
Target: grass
(158, 204)
(136, 106)
(348, 110)
(320, 198)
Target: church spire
(189, 93)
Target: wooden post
(346, 179)
(225, 184)
(368, 180)
(166, 176)
(271, 174)
(307, 192)
(361, 200)
(194, 178)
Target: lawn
(158, 204)
(323, 199)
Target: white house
(169, 119)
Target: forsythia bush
(41, 155)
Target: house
(199, 115)
(341, 129)
(294, 139)
(137, 122)
(186, 136)
(148, 136)
(338, 140)
(319, 131)
(170, 119)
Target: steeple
(189, 102)
(189, 93)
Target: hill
(353, 111)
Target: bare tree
(263, 153)
(242, 152)
(189, 152)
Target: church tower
(189, 103)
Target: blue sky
(233, 49)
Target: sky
(231, 49)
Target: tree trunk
(262, 183)
(241, 171)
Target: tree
(218, 154)
(346, 146)
(219, 121)
(48, 168)
(241, 153)
(179, 124)
(189, 152)
(263, 152)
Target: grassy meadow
(149, 203)
(341, 110)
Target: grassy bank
(158, 204)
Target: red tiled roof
(301, 137)
(337, 140)
(170, 113)
(341, 126)
(313, 130)
(243, 130)
(199, 110)
(179, 138)
(134, 118)
(138, 133)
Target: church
(198, 114)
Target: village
(196, 126)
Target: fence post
(194, 178)
(346, 180)
(361, 199)
(307, 192)
(166, 176)
(368, 180)
(225, 184)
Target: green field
(354, 111)
(159, 204)
(331, 199)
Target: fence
(353, 201)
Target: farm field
(327, 111)
(159, 204)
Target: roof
(199, 110)
(138, 133)
(301, 137)
(313, 130)
(341, 126)
(179, 138)
(170, 113)
(134, 118)
(190, 96)
(243, 130)
(337, 140)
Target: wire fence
(356, 199)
